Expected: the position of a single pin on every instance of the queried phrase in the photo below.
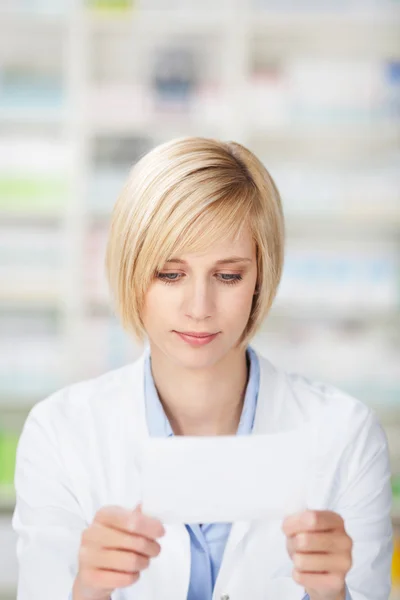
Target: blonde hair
(183, 196)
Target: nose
(199, 300)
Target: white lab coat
(77, 453)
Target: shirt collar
(157, 421)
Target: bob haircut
(183, 196)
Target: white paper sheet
(225, 479)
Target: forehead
(241, 245)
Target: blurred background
(86, 88)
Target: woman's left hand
(321, 552)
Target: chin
(197, 358)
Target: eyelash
(164, 278)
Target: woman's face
(199, 293)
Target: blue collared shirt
(208, 540)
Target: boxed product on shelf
(326, 5)
(9, 562)
(173, 77)
(41, 7)
(309, 91)
(396, 567)
(104, 187)
(31, 262)
(106, 345)
(179, 6)
(112, 158)
(392, 100)
(8, 449)
(361, 358)
(185, 73)
(30, 368)
(117, 105)
(111, 5)
(19, 87)
(396, 492)
(115, 92)
(31, 68)
(32, 355)
(96, 288)
(357, 191)
(267, 95)
(340, 90)
(341, 278)
(34, 174)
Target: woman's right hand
(116, 547)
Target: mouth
(197, 334)
(196, 338)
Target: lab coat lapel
(269, 390)
(171, 568)
(272, 414)
(172, 565)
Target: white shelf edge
(39, 115)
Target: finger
(322, 563)
(130, 521)
(329, 582)
(115, 517)
(312, 520)
(146, 526)
(108, 580)
(321, 542)
(291, 545)
(117, 560)
(99, 535)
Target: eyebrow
(223, 261)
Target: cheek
(158, 304)
(151, 306)
(240, 301)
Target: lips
(198, 335)
(197, 339)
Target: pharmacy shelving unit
(231, 34)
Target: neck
(205, 401)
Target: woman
(194, 260)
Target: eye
(230, 278)
(168, 277)
(225, 278)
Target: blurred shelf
(33, 116)
(32, 303)
(7, 501)
(339, 23)
(159, 21)
(8, 593)
(15, 405)
(26, 217)
(396, 515)
(272, 21)
(389, 416)
(385, 131)
(284, 312)
(355, 223)
(156, 126)
(325, 141)
(31, 18)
